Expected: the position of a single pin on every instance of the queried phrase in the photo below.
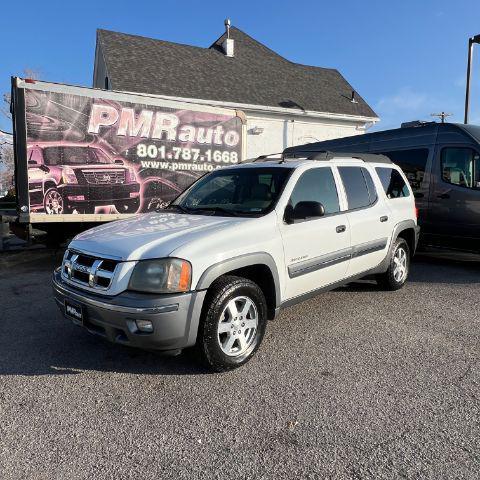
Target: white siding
(280, 131)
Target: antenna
(441, 115)
(227, 26)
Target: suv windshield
(74, 156)
(249, 191)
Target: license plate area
(74, 311)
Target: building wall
(280, 131)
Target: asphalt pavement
(355, 383)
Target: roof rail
(319, 156)
(266, 158)
(325, 155)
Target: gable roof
(255, 75)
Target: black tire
(127, 206)
(390, 279)
(209, 340)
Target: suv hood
(152, 235)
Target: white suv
(237, 246)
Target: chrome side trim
(369, 247)
(108, 306)
(317, 263)
(329, 259)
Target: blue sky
(406, 58)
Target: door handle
(443, 196)
(341, 228)
(384, 218)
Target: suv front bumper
(99, 194)
(175, 317)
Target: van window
(392, 182)
(413, 163)
(461, 166)
(355, 186)
(317, 185)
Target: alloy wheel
(400, 265)
(53, 203)
(237, 326)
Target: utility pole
(471, 42)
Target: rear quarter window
(392, 182)
(358, 187)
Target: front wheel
(53, 203)
(399, 267)
(127, 206)
(233, 323)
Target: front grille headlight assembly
(163, 275)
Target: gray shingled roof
(255, 75)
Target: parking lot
(356, 383)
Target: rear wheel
(399, 267)
(233, 323)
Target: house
(285, 103)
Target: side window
(317, 185)
(393, 183)
(413, 163)
(35, 155)
(353, 179)
(460, 166)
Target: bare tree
(5, 106)
(6, 165)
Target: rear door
(368, 216)
(454, 216)
(317, 251)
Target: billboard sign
(103, 154)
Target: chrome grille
(104, 177)
(88, 271)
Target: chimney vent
(228, 43)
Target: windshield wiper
(174, 207)
(217, 209)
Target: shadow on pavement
(36, 340)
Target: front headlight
(164, 275)
(131, 177)
(69, 175)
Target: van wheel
(398, 269)
(233, 323)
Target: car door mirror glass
(308, 210)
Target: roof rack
(321, 155)
(326, 155)
(266, 158)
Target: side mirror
(32, 162)
(304, 211)
(118, 161)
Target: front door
(454, 214)
(317, 251)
